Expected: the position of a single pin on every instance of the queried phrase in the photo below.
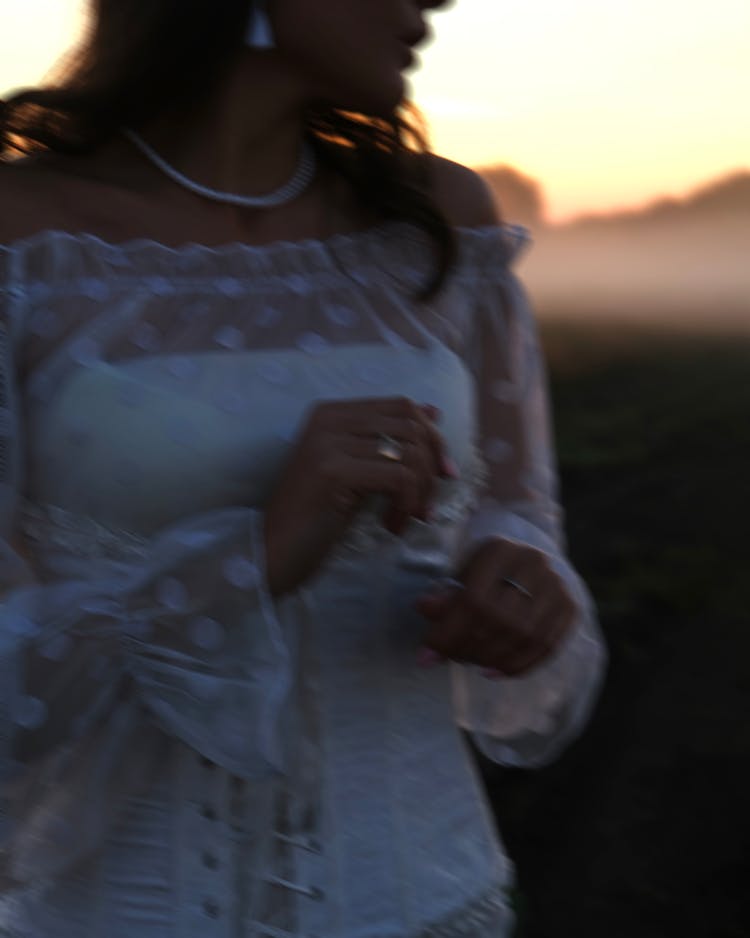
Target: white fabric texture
(182, 754)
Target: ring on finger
(482, 636)
(389, 448)
(448, 583)
(519, 587)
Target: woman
(278, 494)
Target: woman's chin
(380, 100)
(384, 100)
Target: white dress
(182, 755)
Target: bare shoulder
(56, 192)
(464, 196)
(28, 200)
(12, 200)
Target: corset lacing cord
(312, 892)
(270, 931)
(307, 844)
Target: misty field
(641, 829)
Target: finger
(403, 429)
(417, 461)
(345, 471)
(414, 454)
(536, 653)
(521, 622)
(434, 600)
(432, 606)
(554, 614)
(450, 634)
(406, 421)
(406, 408)
(497, 610)
(529, 637)
(489, 615)
(481, 577)
(445, 466)
(528, 570)
(354, 411)
(366, 447)
(501, 630)
(525, 597)
(364, 416)
(485, 567)
(422, 441)
(416, 427)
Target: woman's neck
(245, 138)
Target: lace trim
(473, 920)
(50, 527)
(513, 237)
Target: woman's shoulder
(30, 198)
(51, 191)
(463, 195)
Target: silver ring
(389, 448)
(518, 586)
(448, 583)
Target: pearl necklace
(303, 176)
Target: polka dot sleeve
(181, 637)
(524, 720)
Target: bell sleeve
(525, 720)
(99, 661)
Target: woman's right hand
(335, 465)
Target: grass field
(641, 830)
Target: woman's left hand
(506, 610)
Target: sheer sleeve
(179, 638)
(525, 720)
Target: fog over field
(682, 262)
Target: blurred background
(618, 133)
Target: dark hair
(141, 57)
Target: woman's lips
(408, 56)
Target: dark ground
(642, 829)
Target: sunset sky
(607, 104)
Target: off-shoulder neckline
(518, 233)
